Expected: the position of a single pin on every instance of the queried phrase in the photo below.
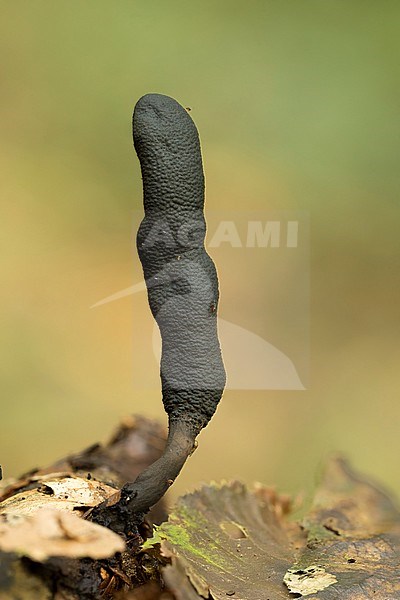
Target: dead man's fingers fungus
(182, 289)
(170, 244)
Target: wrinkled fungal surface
(183, 295)
(181, 277)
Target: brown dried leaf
(59, 492)
(354, 535)
(38, 522)
(48, 533)
(137, 443)
(229, 542)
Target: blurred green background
(297, 107)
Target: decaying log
(222, 541)
(47, 551)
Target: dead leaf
(354, 535)
(177, 581)
(137, 443)
(73, 485)
(227, 542)
(230, 542)
(55, 491)
(48, 533)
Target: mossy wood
(224, 541)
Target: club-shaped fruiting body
(183, 294)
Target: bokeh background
(297, 106)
